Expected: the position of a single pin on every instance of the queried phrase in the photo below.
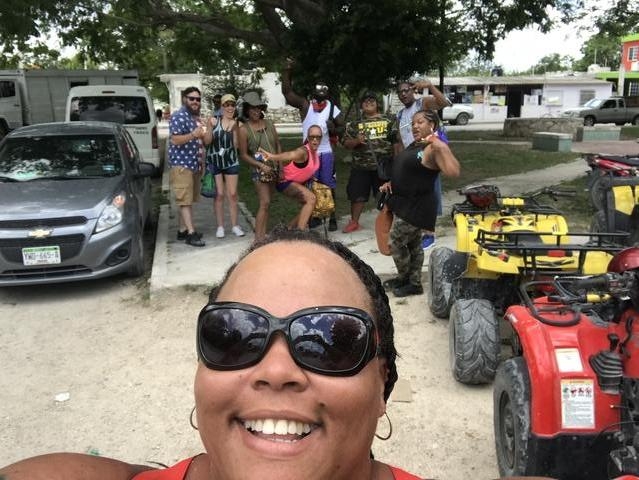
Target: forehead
(315, 130)
(286, 276)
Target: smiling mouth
(279, 430)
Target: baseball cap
(227, 97)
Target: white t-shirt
(320, 118)
(405, 121)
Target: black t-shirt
(413, 199)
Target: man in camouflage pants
(369, 140)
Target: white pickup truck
(458, 114)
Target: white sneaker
(237, 230)
(220, 232)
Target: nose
(277, 370)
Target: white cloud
(521, 49)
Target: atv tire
(440, 284)
(511, 418)
(599, 224)
(597, 191)
(473, 341)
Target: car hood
(575, 110)
(52, 198)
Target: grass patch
(478, 161)
(629, 133)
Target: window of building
(633, 53)
(633, 88)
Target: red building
(627, 78)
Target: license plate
(41, 255)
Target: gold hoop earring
(193, 425)
(390, 429)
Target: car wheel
(473, 341)
(635, 121)
(589, 121)
(137, 256)
(511, 417)
(462, 119)
(440, 284)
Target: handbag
(383, 224)
(207, 186)
(274, 174)
(324, 203)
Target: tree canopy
(353, 44)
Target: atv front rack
(549, 252)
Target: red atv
(566, 405)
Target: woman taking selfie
(287, 386)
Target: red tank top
(178, 472)
(294, 173)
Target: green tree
(553, 63)
(349, 43)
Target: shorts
(361, 184)
(326, 172)
(185, 184)
(281, 186)
(232, 170)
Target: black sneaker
(314, 222)
(194, 239)
(394, 283)
(181, 235)
(408, 289)
(332, 225)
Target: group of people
(402, 156)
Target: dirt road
(122, 369)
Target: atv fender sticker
(568, 360)
(577, 403)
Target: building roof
(580, 79)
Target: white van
(126, 104)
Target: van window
(7, 88)
(126, 110)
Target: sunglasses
(335, 341)
(195, 99)
(314, 137)
(321, 88)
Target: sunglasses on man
(331, 340)
(194, 99)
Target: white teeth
(270, 426)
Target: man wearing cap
(319, 111)
(186, 162)
(369, 140)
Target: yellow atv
(502, 242)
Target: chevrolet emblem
(40, 232)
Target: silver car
(75, 199)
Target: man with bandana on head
(318, 111)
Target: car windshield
(126, 110)
(594, 102)
(60, 157)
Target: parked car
(75, 199)
(458, 114)
(617, 110)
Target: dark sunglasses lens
(195, 99)
(230, 338)
(314, 137)
(332, 343)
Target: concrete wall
(525, 127)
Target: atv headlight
(112, 213)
